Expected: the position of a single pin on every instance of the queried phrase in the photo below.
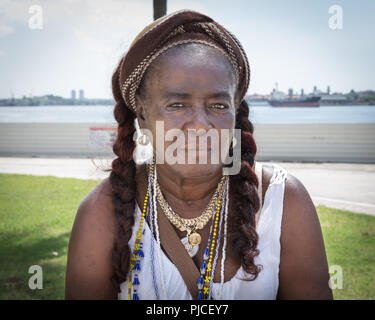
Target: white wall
(349, 142)
(52, 139)
(289, 142)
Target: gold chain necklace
(193, 238)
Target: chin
(195, 170)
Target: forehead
(192, 68)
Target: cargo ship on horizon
(296, 102)
(279, 99)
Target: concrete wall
(337, 142)
(55, 139)
(289, 142)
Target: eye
(219, 107)
(175, 106)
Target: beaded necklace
(207, 266)
(153, 173)
(224, 250)
(152, 240)
(218, 245)
(203, 266)
(135, 263)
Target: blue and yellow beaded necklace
(208, 265)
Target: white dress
(264, 287)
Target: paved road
(336, 185)
(58, 167)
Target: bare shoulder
(89, 265)
(299, 211)
(295, 195)
(101, 193)
(97, 205)
(303, 270)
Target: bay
(258, 114)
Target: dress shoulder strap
(269, 224)
(279, 175)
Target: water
(61, 114)
(323, 114)
(258, 114)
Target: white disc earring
(143, 152)
(234, 141)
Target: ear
(237, 102)
(140, 111)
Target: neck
(187, 196)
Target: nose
(199, 120)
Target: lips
(195, 148)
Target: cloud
(193, 5)
(87, 37)
(5, 30)
(14, 11)
(110, 26)
(101, 26)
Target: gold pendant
(192, 250)
(195, 239)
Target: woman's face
(189, 88)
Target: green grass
(37, 213)
(36, 217)
(350, 243)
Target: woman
(250, 235)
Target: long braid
(244, 200)
(122, 179)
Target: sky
(81, 41)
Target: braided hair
(123, 183)
(244, 201)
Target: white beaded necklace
(224, 244)
(155, 216)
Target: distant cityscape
(275, 98)
(52, 100)
(314, 99)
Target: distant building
(81, 94)
(317, 92)
(334, 99)
(73, 95)
(328, 90)
(255, 98)
(302, 92)
(290, 92)
(277, 95)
